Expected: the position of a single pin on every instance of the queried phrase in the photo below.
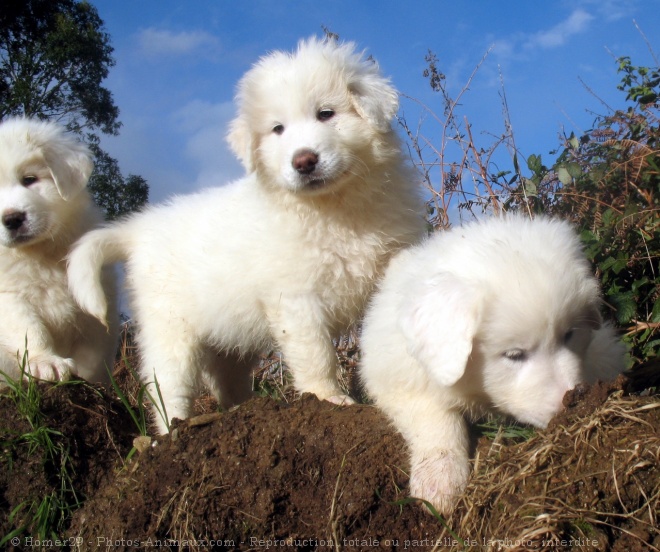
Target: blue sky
(178, 64)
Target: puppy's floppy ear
(70, 165)
(439, 322)
(593, 317)
(240, 141)
(373, 97)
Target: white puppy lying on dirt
(501, 314)
(287, 255)
(45, 207)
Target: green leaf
(530, 187)
(613, 264)
(649, 98)
(639, 283)
(516, 166)
(534, 164)
(564, 176)
(655, 313)
(625, 305)
(574, 169)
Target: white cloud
(613, 10)
(558, 35)
(504, 48)
(519, 46)
(205, 125)
(160, 42)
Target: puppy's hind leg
(94, 351)
(171, 368)
(230, 377)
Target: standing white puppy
(287, 255)
(44, 208)
(501, 314)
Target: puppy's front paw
(341, 400)
(51, 368)
(440, 478)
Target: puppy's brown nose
(13, 220)
(304, 161)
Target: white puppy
(286, 255)
(45, 207)
(501, 314)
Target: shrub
(606, 182)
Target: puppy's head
(531, 352)
(512, 325)
(42, 169)
(312, 120)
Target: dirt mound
(308, 471)
(56, 448)
(309, 475)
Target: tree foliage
(117, 194)
(54, 57)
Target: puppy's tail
(85, 263)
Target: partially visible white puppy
(44, 208)
(287, 255)
(501, 314)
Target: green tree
(54, 56)
(117, 194)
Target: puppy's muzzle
(13, 220)
(304, 161)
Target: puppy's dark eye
(325, 114)
(568, 336)
(516, 355)
(278, 129)
(29, 179)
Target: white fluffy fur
(45, 207)
(502, 314)
(279, 256)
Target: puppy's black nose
(304, 161)
(13, 220)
